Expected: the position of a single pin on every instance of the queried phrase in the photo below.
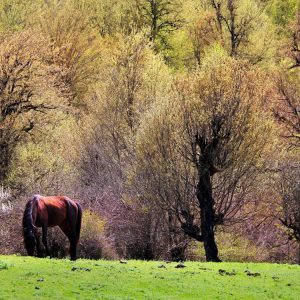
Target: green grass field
(33, 278)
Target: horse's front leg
(45, 241)
(73, 246)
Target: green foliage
(44, 165)
(32, 278)
(36, 169)
(74, 49)
(166, 138)
(161, 17)
(93, 244)
(233, 248)
(283, 11)
(242, 27)
(16, 14)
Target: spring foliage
(132, 105)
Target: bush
(11, 238)
(232, 248)
(93, 242)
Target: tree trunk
(206, 204)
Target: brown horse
(47, 212)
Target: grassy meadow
(33, 278)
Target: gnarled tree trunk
(206, 204)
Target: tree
(286, 185)
(286, 112)
(161, 16)
(27, 90)
(110, 17)
(74, 52)
(132, 78)
(240, 26)
(289, 189)
(204, 33)
(292, 43)
(208, 135)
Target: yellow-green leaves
(223, 103)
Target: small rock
(222, 272)
(252, 274)
(123, 262)
(180, 266)
(162, 267)
(81, 269)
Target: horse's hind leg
(70, 232)
(45, 241)
(38, 243)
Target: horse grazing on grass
(47, 212)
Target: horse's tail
(28, 226)
(78, 222)
(27, 216)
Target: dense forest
(175, 123)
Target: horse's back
(57, 202)
(52, 210)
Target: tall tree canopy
(211, 133)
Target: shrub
(11, 239)
(93, 242)
(232, 247)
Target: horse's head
(30, 242)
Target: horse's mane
(27, 217)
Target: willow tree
(205, 145)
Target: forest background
(175, 123)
